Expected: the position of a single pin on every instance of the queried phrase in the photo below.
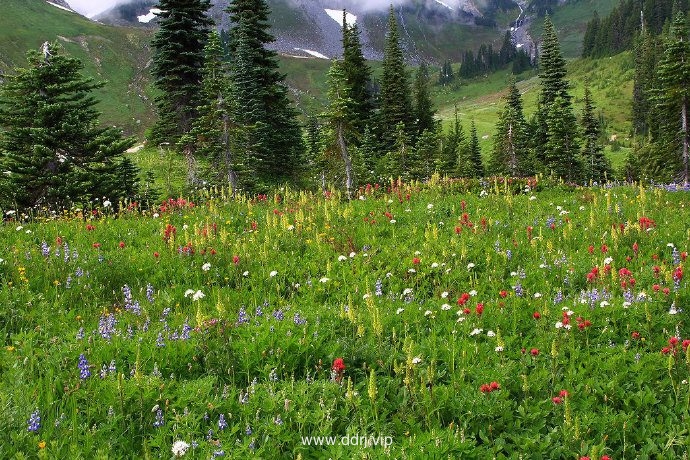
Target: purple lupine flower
(378, 288)
(45, 249)
(84, 372)
(80, 333)
(222, 424)
(106, 326)
(258, 312)
(34, 422)
(558, 298)
(149, 293)
(79, 272)
(104, 371)
(111, 368)
(299, 320)
(278, 314)
(242, 317)
(186, 329)
(68, 282)
(159, 421)
(66, 252)
(160, 342)
(248, 430)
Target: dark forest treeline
(617, 31)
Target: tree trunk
(346, 159)
(191, 165)
(686, 140)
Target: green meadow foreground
(447, 320)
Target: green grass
(116, 55)
(570, 21)
(467, 321)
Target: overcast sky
(91, 7)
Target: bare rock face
(312, 28)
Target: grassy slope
(570, 21)
(113, 54)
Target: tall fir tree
(396, 102)
(357, 78)
(596, 167)
(562, 146)
(475, 153)
(266, 119)
(212, 131)
(338, 115)
(53, 151)
(451, 145)
(423, 106)
(178, 59)
(673, 99)
(555, 140)
(510, 153)
(644, 80)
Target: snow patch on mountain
(313, 53)
(444, 4)
(337, 16)
(146, 18)
(60, 6)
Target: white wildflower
(537, 295)
(407, 291)
(604, 304)
(189, 292)
(341, 258)
(429, 206)
(476, 331)
(19, 229)
(412, 270)
(428, 312)
(399, 310)
(107, 204)
(445, 307)
(473, 292)
(444, 295)
(491, 334)
(532, 198)
(392, 221)
(246, 273)
(608, 261)
(324, 280)
(416, 360)
(273, 273)
(206, 267)
(498, 349)
(198, 295)
(352, 254)
(470, 266)
(434, 265)
(179, 448)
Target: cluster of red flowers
(673, 345)
(561, 396)
(678, 274)
(169, 232)
(582, 323)
(173, 204)
(489, 387)
(646, 223)
(626, 278)
(464, 297)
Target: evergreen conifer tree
(212, 132)
(358, 80)
(451, 145)
(595, 164)
(673, 98)
(267, 127)
(555, 133)
(475, 153)
(338, 116)
(178, 58)
(53, 151)
(396, 103)
(510, 153)
(423, 107)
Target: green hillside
(571, 20)
(113, 54)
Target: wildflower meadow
(439, 320)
